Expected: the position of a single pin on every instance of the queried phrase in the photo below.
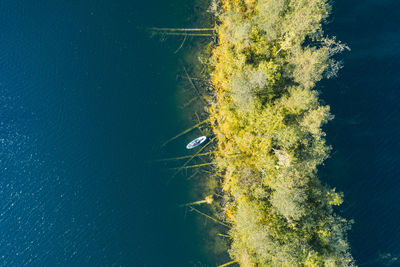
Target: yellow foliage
(268, 122)
(313, 260)
(334, 198)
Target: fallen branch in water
(184, 132)
(209, 217)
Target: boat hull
(196, 142)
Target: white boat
(196, 142)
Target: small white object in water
(196, 142)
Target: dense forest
(267, 118)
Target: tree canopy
(268, 58)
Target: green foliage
(290, 202)
(268, 17)
(270, 54)
(308, 65)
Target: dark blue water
(365, 134)
(86, 98)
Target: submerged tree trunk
(182, 29)
(193, 166)
(209, 217)
(190, 159)
(184, 132)
(228, 263)
(185, 34)
(185, 157)
(208, 200)
(194, 86)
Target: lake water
(365, 99)
(86, 99)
